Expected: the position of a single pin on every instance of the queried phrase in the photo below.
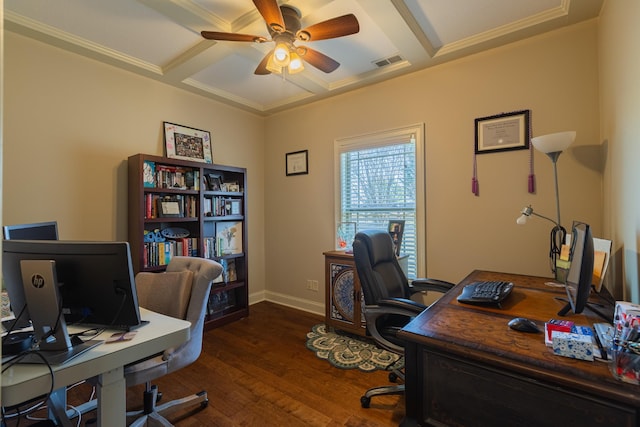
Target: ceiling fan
(283, 23)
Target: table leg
(57, 407)
(112, 401)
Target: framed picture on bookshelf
(182, 142)
(228, 237)
(170, 207)
(235, 207)
(213, 182)
(231, 187)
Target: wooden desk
(466, 367)
(107, 361)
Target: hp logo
(37, 281)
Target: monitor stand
(54, 346)
(601, 310)
(59, 357)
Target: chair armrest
(400, 306)
(397, 306)
(425, 285)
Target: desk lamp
(552, 145)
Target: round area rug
(348, 352)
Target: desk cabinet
(343, 297)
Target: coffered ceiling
(161, 39)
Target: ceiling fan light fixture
(272, 66)
(296, 65)
(281, 55)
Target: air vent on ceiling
(388, 61)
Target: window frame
(382, 138)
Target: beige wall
(71, 123)
(620, 131)
(554, 75)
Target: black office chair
(387, 295)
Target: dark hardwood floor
(258, 372)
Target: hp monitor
(95, 279)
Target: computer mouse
(523, 324)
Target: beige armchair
(181, 291)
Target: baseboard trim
(288, 301)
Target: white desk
(107, 361)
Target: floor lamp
(552, 145)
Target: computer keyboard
(485, 292)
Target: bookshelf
(179, 207)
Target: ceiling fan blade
(261, 69)
(271, 13)
(319, 60)
(331, 28)
(232, 37)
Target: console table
(466, 367)
(343, 297)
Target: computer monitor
(96, 281)
(580, 275)
(34, 231)
(53, 343)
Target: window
(381, 178)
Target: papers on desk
(601, 256)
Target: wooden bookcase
(179, 207)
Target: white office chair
(182, 291)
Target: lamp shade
(554, 142)
(296, 65)
(281, 55)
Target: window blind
(378, 184)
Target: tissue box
(575, 346)
(555, 325)
(587, 331)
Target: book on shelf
(221, 206)
(174, 177)
(157, 254)
(149, 174)
(221, 278)
(229, 273)
(220, 301)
